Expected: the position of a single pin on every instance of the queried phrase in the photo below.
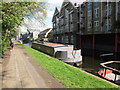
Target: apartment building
(65, 24)
(92, 26)
(55, 29)
(99, 27)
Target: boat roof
(53, 44)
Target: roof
(78, 2)
(56, 11)
(44, 31)
(75, 3)
(58, 8)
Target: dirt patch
(49, 80)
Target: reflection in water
(92, 65)
(28, 44)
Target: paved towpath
(20, 73)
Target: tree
(13, 14)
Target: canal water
(28, 44)
(91, 64)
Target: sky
(33, 23)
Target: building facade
(99, 28)
(65, 24)
(91, 26)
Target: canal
(28, 44)
(89, 64)
(92, 64)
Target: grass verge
(69, 76)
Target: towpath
(22, 72)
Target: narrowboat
(65, 53)
(111, 71)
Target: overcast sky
(35, 24)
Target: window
(66, 13)
(62, 21)
(108, 24)
(71, 17)
(108, 9)
(89, 13)
(108, 6)
(96, 12)
(89, 5)
(67, 39)
(109, 27)
(96, 23)
(66, 16)
(89, 24)
(71, 27)
(96, 2)
(109, 21)
(66, 27)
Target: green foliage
(13, 14)
(70, 76)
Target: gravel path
(20, 72)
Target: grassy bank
(66, 74)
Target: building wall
(67, 24)
(97, 17)
(99, 34)
(90, 26)
(55, 25)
